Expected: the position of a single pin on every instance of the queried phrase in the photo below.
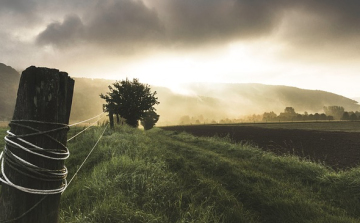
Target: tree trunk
(117, 119)
(111, 119)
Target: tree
(345, 116)
(323, 116)
(185, 120)
(149, 119)
(269, 116)
(335, 111)
(288, 115)
(289, 110)
(130, 99)
(353, 117)
(316, 116)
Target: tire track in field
(251, 188)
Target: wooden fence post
(44, 95)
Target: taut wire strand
(84, 129)
(87, 119)
(23, 214)
(87, 156)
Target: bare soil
(339, 150)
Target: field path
(240, 180)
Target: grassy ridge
(160, 176)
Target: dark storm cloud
(199, 22)
(221, 20)
(115, 23)
(124, 21)
(202, 20)
(345, 12)
(330, 20)
(63, 34)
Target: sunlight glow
(237, 62)
(255, 62)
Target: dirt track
(340, 150)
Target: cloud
(137, 25)
(326, 20)
(321, 31)
(120, 23)
(18, 13)
(124, 21)
(18, 6)
(199, 21)
(224, 20)
(344, 13)
(70, 31)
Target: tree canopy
(149, 119)
(335, 111)
(130, 99)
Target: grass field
(165, 176)
(2, 135)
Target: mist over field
(202, 102)
(210, 102)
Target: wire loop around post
(10, 157)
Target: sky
(307, 44)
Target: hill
(204, 101)
(8, 88)
(218, 101)
(86, 100)
(215, 101)
(357, 99)
(161, 176)
(258, 98)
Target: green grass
(160, 176)
(2, 135)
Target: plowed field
(337, 149)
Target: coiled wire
(29, 169)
